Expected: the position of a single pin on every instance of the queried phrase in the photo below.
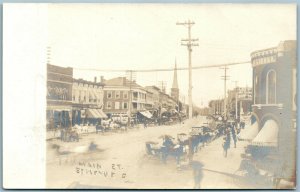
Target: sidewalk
(218, 171)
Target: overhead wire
(165, 69)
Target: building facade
(87, 99)
(122, 96)
(274, 99)
(59, 97)
(155, 95)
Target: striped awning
(146, 114)
(268, 135)
(102, 114)
(249, 132)
(96, 113)
(91, 113)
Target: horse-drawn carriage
(262, 165)
(69, 135)
(110, 125)
(168, 147)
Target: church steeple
(175, 89)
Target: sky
(145, 36)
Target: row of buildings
(238, 103)
(75, 101)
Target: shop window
(271, 87)
(125, 105)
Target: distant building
(117, 97)
(244, 101)
(149, 105)
(172, 103)
(59, 96)
(155, 95)
(216, 107)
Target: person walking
(226, 142)
(233, 133)
(197, 173)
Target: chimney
(101, 79)
(95, 79)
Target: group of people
(229, 131)
(69, 135)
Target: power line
(165, 69)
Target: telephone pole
(189, 42)
(236, 100)
(130, 98)
(225, 78)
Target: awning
(102, 114)
(97, 113)
(249, 132)
(268, 135)
(91, 113)
(58, 108)
(146, 114)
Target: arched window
(271, 87)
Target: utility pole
(189, 43)
(130, 98)
(225, 78)
(236, 100)
(162, 86)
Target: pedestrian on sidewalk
(197, 173)
(233, 132)
(145, 124)
(226, 142)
